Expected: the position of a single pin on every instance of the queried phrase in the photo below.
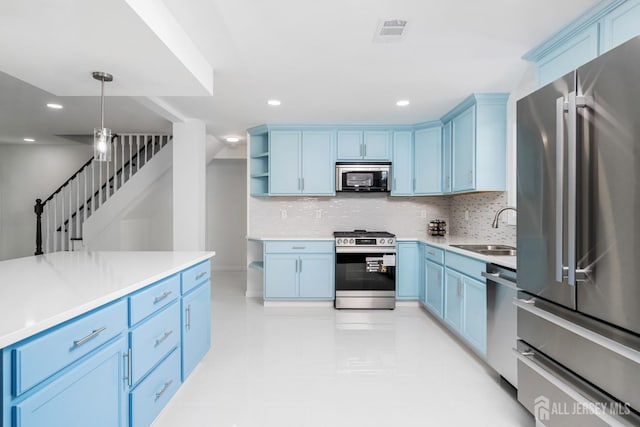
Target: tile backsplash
(321, 216)
(481, 208)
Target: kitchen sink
(495, 250)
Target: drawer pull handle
(164, 295)
(431, 253)
(163, 338)
(201, 275)
(165, 387)
(299, 247)
(93, 334)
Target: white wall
(226, 213)
(28, 172)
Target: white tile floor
(322, 367)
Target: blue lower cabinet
(196, 327)
(92, 392)
(474, 325)
(302, 270)
(434, 279)
(155, 391)
(453, 299)
(408, 270)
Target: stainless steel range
(365, 269)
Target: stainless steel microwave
(365, 177)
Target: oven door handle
(381, 250)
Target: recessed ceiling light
(232, 139)
(403, 103)
(54, 106)
(274, 102)
(29, 140)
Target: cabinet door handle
(365, 149)
(361, 155)
(298, 183)
(300, 266)
(163, 338)
(164, 295)
(187, 313)
(201, 275)
(93, 334)
(298, 247)
(395, 187)
(165, 387)
(127, 356)
(302, 180)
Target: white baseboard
(272, 303)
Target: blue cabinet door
(402, 164)
(446, 158)
(281, 276)
(453, 299)
(376, 145)
(318, 163)
(408, 271)
(316, 276)
(350, 145)
(196, 327)
(284, 170)
(620, 25)
(428, 161)
(92, 393)
(463, 151)
(565, 58)
(474, 327)
(434, 276)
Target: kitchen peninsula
(100, 337)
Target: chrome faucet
(495, 219)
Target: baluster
(55, 222)
(85, 201)
(137, 152)
(38, 209)
(153, 146)
(99, 185)
(107, 173)
(78, 205)
(122, 162)
(130, 155)
(69, 229)
(114, 151)
(47, 227)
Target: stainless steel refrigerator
(578, 145)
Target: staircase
(60, 218)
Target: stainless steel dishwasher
(502, 329)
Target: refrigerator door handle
(572, 188)
(561, 108)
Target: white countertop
(42, 291)
(311, 239)
(447, 241)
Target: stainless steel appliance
(368, 177)
(578, 144)
(501, 321)
(365, 269)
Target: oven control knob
(338, 241)
(351, 241)
(390, 242)
(382, 241)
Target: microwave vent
(390, 30)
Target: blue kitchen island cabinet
(114, 355)
(302, 162)
(370, 145)
(299, 270)
(408, 276)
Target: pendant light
(102, 135)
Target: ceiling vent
(390, 30)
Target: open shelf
(260, 175)
(257, 265)
(260, 155)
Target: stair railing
(60, 217)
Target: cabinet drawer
(41, 357)
(152, 394)
(469, 266)
(153, 339)
(195, 275)
(153, 298)
(434, 254)
(302, 246)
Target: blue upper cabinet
(370, 145)
(600, 29)
(446, 158)
(428, 161)
(570, 55)
(402, 164)
(302, 162)
(478, 137)
(620, 25)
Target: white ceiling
(317, 57)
